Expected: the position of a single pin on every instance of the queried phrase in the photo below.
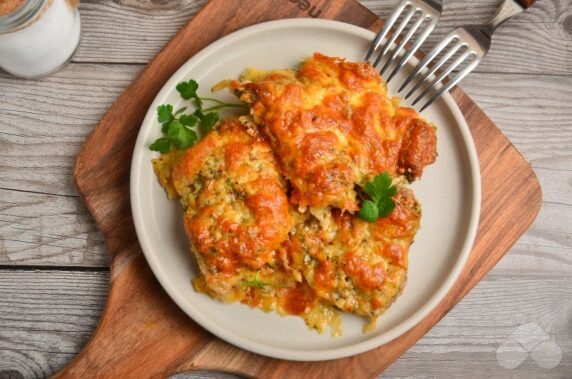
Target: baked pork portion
(332, 126)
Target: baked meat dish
(238, 218)
(332, 127)
(358, 266)
(301, 206)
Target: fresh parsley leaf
(381, 191)
(198, 113)
(186, 138)
(165, 113)
(209, 121)
(179, 111)
(162, 145)
(177, 127)
(165, 127)
(378, 186)
(385, 207)
(173, 128)
(369, 211)
(180, 135)
(188, 90)
(257, 283)
(188, 120)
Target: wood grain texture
(41, 229)
(536, 124)
(46, 317)
(538, 41)
(37, 159)
(55, 122)
(51, 118)
(50, 315)
(49, 230)
(136, 301)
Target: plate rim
(285, 353)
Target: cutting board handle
(142, 333)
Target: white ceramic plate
(449, 193)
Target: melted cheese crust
(359, 267)
(332, 127)
(269, 198)
(237, 218)
(237, 210)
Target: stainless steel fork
(471, 43)
(418, 12)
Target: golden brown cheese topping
(269, 198)
(237, 209)
(359, 267)
(332, 126)
(237, 218)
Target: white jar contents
(38, 37)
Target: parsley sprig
(179, 127)
(257, 283)
(381, 191)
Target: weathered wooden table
(53, 265)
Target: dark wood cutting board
(142, 333)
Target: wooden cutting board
(142, 332)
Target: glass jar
(37, 37)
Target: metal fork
(416, 11)
(472, 42)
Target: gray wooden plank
(52, 117)
(48, 230)
(44, 123)
(130, 31)
(40, 229)
(530, 111)
(47, 316)
(539, 41)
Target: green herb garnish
(381, 191)
(179, 127)
(257, 283)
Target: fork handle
(508, 9)
(526, 3)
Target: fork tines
(416, 12)
(468, 43)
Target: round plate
(449, 193)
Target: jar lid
(9, 6)
(20, 14)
